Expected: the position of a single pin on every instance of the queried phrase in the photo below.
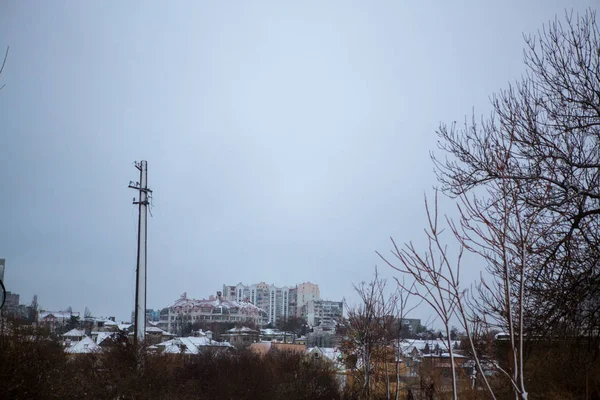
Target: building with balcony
(185, 312)
(274, 300)
(322, 312)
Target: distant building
(11, 304)
(187, 311)
(241, 337)
(274, 300)
(280, 303)
(151, 315)
(413, 324)
(55, 319)
(90, 324)
(317, 312)
(306, 292)
(190, 345)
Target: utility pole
(140, 281)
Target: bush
(34, 366)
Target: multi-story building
(151, 315)
(305, 292)
(293, 301)
(55, 319)
(274, 300)
(216, 309)
(317, 312)
(11, 304)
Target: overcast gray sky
(286, 141)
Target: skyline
(284, 142)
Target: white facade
(188, 311)
(274, 300)
(306, 292)
(322, 311)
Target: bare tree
(401, 311)
(368, 330)
(546, 128)
(435, 280)
(504, 238)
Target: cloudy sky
(286, 141)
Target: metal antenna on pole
(140, 281)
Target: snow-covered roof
(243, 329)
(420, 345)
(74, 333)
(84, 346)
(330, 353)
(124, 327)
(101, 336)
(154, 329)
(57, 314)
(443, 355)
(188, 304)
(192, 345)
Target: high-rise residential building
(293, 301)
(306, 292)
(322, 311)
(274, 300)
(11, 304)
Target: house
(268, 335)
(189, 345)
(241, 336)
(74, 335)
(84, 346)
(100, 338)
(55, 319)
(156, 335)
(300, 340)
(124, 326)
(333, 356)
(100, 324)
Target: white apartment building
(274, 300)
(306, 292)
(279, 302)
(322, 311)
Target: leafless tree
(504, 238)
(401, 311)
(435, 279)
(369, 325)
(543, 137)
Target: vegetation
(526, 181)
(36, 367)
